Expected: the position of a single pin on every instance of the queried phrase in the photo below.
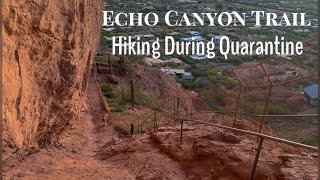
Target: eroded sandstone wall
(48, 46)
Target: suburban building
(311, 93)
(108, 29)
(302, 30)
(187, 76)
(159, 62)
(180, 73)
(199, 57)
(216, 38)
(144, 36)
(194, 38)
(194, 33)
(223, 65)
(172, 71)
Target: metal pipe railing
(270, 115)
(261, 137)
(251, 133)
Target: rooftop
(312, 91)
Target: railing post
(268, 98)
(256, 158)
(174, 105)
(141, 128)
(192, 104)
(225, 105)
(132, 93)
(138, 126)
(122, 93)
(238, 104)
(154, 121)
(122, 64)
(178, 105)
(109, 62)
(181, 130)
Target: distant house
(189, 11)
(107, 38)
(223, 65)
(153, 61)
(148, 36)
(173, 33)
(311, 93)
(108, 29)
(173, 61)
(139, 36)
(255, 27)
(199, 57)
(187, 76)
(286, 56)
(216, 38)
(189, 1)
(180, 73)
(144, 36)
(194, 38)
(302, 30)
(159, 62)
(194, 33)
(177, 72)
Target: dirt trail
(89, 149)
(95, 102)
(137, 155)
(73, 157)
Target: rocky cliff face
(48, 47)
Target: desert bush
(107, 90)
(311, 141)
(275, 109)
(117, 109)
(139, 97)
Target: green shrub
(109, 94)
(100, 59)
(230, 84)
(107, 90)
(139, 97)
(311, 141)
(117, 109)
(275, 109)
(106, 87)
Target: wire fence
(272, 94)
(268, 94)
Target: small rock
(315, 155)
(230, 138)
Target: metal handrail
(261, 138)
(162, 114)
(269, 115)
(146, 120)
(251, 133)
(152, 111)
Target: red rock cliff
(48, 46)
